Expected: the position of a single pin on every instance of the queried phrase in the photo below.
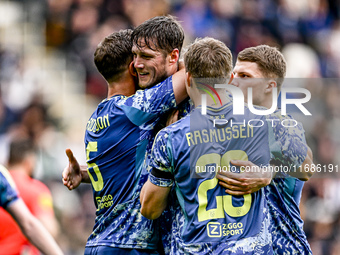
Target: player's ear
(270, 85)
(188, 82)
(231, 78)
(174, 56)
(188, 79)
(132, 69)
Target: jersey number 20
(223, 203)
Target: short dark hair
(165, 32)
(113, 55)
(19, 148)
(269, 59)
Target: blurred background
(49, 86)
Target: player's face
(152, 66)
(247, 74)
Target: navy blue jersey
(118, 135)
(208, 220)
(284, 192)
(283, 195)
(8, 193)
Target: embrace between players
(150, 194)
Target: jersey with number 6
(118, 135)
(210, 221)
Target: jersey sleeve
(290, 142)
(161, 161)
(8, 193)
(183, 108)
(147, 104)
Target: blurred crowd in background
(49, 86)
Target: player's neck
(125, 88)
(267, 102)
(217, 102)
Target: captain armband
(161, 178)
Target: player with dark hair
(116, 139)
(157, 44)
(153, 63)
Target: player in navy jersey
(284, 191)
(116, 139)
(156, 54)
(150, 58)
(188, 154)
(149, 62)
(29, 225)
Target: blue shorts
(101, 250)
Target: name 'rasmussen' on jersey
(188, 154)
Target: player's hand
(249, 181)
(172, 117)
(71, 175)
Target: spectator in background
(35, 195)
(7, 117)
(138, 11)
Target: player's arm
(32, 228)
(29, 225)
(292, 149)
(148, 104)
(73, 173)
(249, 181)
(294, 152)
(153, 200)
(154, 194)
(304, 173)
(178, 83)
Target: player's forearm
(40, 237)
(153, 200)
(50, 223)
(304, 173)
(84, 174)
(249, 181)
(178, 83)
(33, 229)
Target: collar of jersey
(214, 109)
(108, 99)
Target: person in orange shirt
(34, 193)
